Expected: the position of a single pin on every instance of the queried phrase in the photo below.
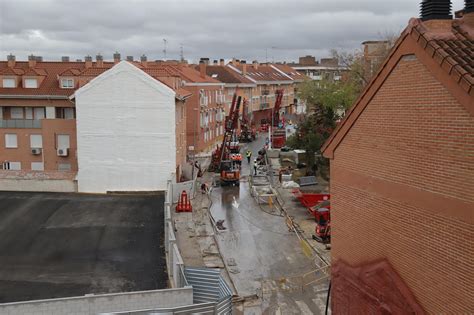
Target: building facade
(325, 69)
(402, 181)
(38, 115)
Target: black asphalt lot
(58, 245)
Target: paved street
(265, 261)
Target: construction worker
(255, 167)
(248, 154)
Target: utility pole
(164, 49)
(266, 54)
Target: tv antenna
(164, 49)
(181, 52)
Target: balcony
(20, 123)
(264, 105)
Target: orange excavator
(225, 158)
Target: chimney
(435, 10)
(144, 61)
(255, 64)
(65, 58)
(11, 61)
(202, 69)
(468, 6)
(116, 57)
(130, 58)
(88, 61)
(215, 62)
(31, 61)
(205, 60)
(244, 67)
(99, 61)
(221, 62)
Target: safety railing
(20, 123)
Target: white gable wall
(125, 132)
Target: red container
(310, 199)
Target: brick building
(268, 78)
(326, 68)
(402, 177)
(38, 114)
(204, 109)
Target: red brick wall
(402, 181)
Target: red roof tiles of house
(295, 75)
(451, 44)
(190, 74)
(447, 44)
(50, 71)
(261, 72)
(226, 75)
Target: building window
(9, 83)
(37, 166)
(11, 140)
(16, 112)
(39, 113)
(31, 83)
(65, 112)
(12, 166)
(28, 113)
(36, 141)
(63, 142)
(67, 83)
(64, 167)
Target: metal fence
(209, 288)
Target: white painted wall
(103, 303)
(125, 132)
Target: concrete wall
(125, 132)
(51, 185)
(104, 303)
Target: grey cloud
(217, 29)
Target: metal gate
(209, 286)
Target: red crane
(278, 133)
(226, 159)
(247, 134)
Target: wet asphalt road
(58, 245)
(263, 249)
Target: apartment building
(205, 110)
(234, 83)
(38, 113)
(324, 69)
(268, 78)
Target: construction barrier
(184, 203)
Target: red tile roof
(50, 84)
(447, 43)
(451, 44)
(52, 70)
(190, 74)
(263, 72)
(225, 74)
(295, 75)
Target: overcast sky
(245, 29)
